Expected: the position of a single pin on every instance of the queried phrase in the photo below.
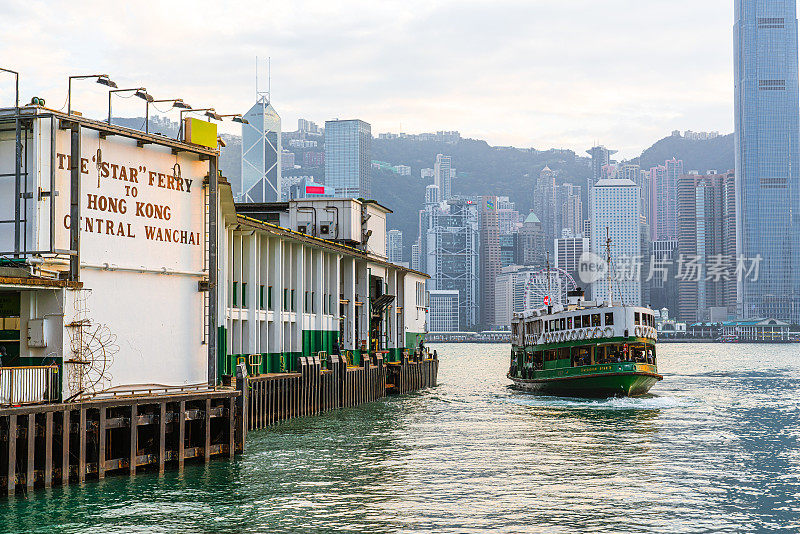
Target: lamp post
(237, 117)
(176, 103)
(209, 112)
(141, 92)
(102, 79)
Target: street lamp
(176, 103)
(102, 79)
(237, 117)
(209, 112)
(140, 92)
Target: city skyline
(562, 107)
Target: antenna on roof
(264, 96)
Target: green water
(715, 448)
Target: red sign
(547, 301)
(315, 190)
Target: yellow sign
(199, 132)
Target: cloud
(536, 72)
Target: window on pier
(595, 319)
(609, 319)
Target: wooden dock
(46, 445)
(278, 397)
(57, 444)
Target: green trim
(412, 339)
(222, 352)
(598, 369)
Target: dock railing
(29, 385)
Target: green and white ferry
(584, 349)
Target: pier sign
(141, 207)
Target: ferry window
(285, 299)
(636, 318)
(244, 294)
(313, 298)
(609, 319)
(595, 319)
(261, 297)
(569, 323)
(561, 324)
(293, 302)
(585, 321)
(269, 297)
(546, 326)
(235, 294)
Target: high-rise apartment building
(616, 212)
(767, 155)
(261, 154)
(664, 180)
(348, 145)
(394, 246)
(707, 238)
(442, 176)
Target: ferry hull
(605, 385)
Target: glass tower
(347, 157)
(767, 157)
(261, 149)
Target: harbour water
(714, 447)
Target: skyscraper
(348, 145)
(450, 254)
(601, 157)
(707, 233)
(616, 207)
(394, 246)
(489, 256)
(568, 210)
(261, 150)
(442, 176)
(664, 180)
(532, 241)
(767, 156)
(544, 202)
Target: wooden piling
(101, 450)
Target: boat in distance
(584, 349)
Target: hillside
(481, 168)
(696, 155)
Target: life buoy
(638, 331)
(598, 333)
(609, 331)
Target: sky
(532, 73)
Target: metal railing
(29, 385)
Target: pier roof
(323, 243)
